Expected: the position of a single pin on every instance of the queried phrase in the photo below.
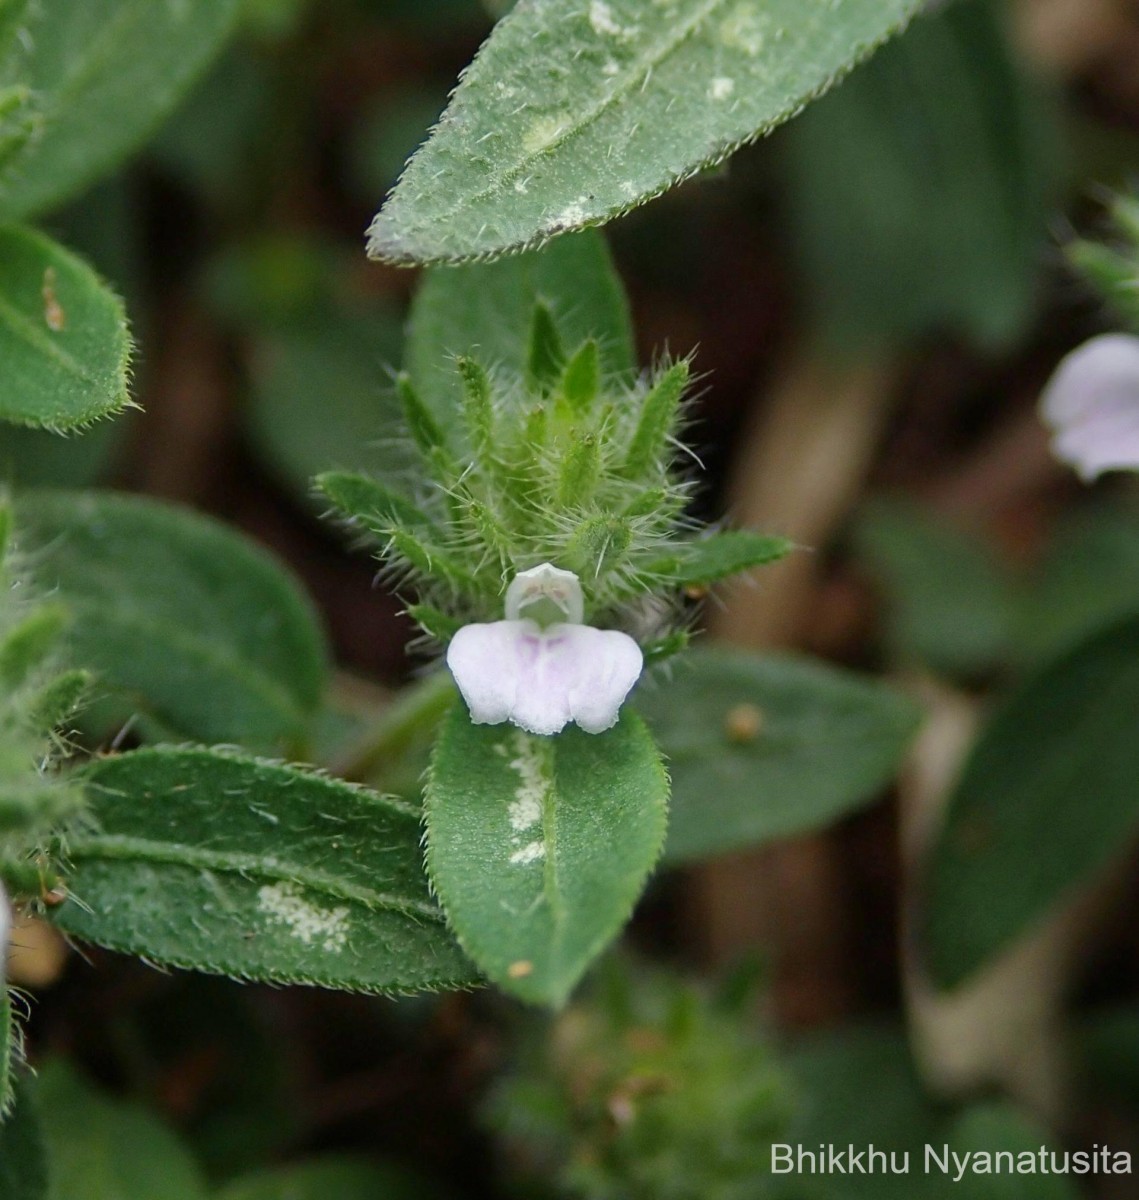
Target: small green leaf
(106, 72)
(241, 867)
(1046, 799)
(478, 408)
(658, 420)
(580, 471)
(378, 509)
(582, 377)
(63, 336)
(484, 310)
(438, 624)
(525, 150)
(718, 556)
(539, 847)
(59, 698)
(25, 647)
(546, 357)
(328, 1179)
(949, 605)
(105, 1149)
(23, 1168)
(764, 747)
(183, 618)
(425, 433)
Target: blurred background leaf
(766, 747)
(1045, 800)
(181, 618)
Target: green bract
(562, 463)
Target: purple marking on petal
(542, 680)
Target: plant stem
(417, 710)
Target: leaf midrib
(125, 848)
(623, 85)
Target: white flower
(1091, 404)
(542, 668)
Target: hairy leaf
(63, 336)
(1046, 798)
(577, 110)
(764, 747)
(106, 72)
(181, 617)
(720, 555)
(241, 867)
(485, 310)
(538, 847)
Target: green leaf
(986, 1130)
(949, 605)
(894, 244)
(105, 1149)
(320, 399)
(1089, 578)
(182, 618)
(63, 336)
(582, 378)
(328, 1179)
(526, 148)
(23, 1169)
(547, 356)
(485, 310)
(1046, 798)
(719, 555)
(658, 420)
(378, 509)
(539, 847)
(764, 747)
(106, 73)
(211, 861)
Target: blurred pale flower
(1091, 404)
(542, 668)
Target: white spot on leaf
(526, 808)
(542, 133)
(284, 904)
(721, 88)
(529, 853)
(744, 29)
(601, 19)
